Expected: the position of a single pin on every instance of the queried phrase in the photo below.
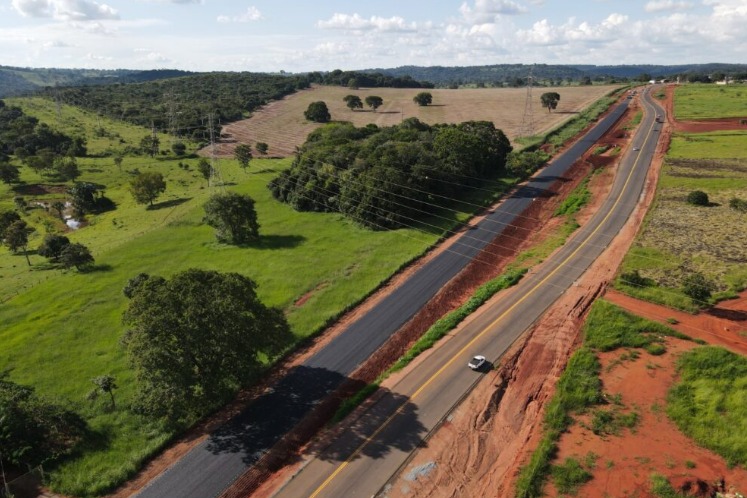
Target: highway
(213, 465)
(363, 458)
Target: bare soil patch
(281, 124)
(625, 463)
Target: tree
(67, 168)
(134, 284)
(586, 81)
(698, 198)
(353, 83)
(196, 338)
(16, 237)
(52, 246)
(203, 166)
(76, 255)
(697, 288)
(423, 99)
(83, 197)
(9, 173)
(178, 148)
(149, 145)
(262, 148)
(317, 112)
(147, 186)
(243, 154)
(374, 102)
(33, 430)
(233, 217)
(104, 384)
(550, 100)
(353, 102)
(7, 218)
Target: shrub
(738, 204)
(697, 198)
(697, 288)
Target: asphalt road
(215, 464)
(366, 456)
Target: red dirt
(626, 462)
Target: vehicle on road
(636, 148)
(476, 362)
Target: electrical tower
(527, 122)
(216, 179)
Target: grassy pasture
(710, 101)
(282, 125)
(679, 238)
(61, 328)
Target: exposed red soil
(626, 462)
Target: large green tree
(149, 145)
(7, 218)
(374, 102)
(9, 173)
(147, 186)
(195, 339)
(16, 237)
(550, 100)
(423, 99)
(233, 217)
(243, 154)
(76, 255)
(33, 430)
(52, 246)
(353, 102)
(317, 112)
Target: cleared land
(710, 102)
(282, 125)
(680, 238)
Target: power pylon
(216, 180)
(527, 122)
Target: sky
(302, 35)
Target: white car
(636, 148)
(476, 362)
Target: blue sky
(298, 35)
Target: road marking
(500, 317)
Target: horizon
(200, 36)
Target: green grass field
(679, 238)
(710, 101)
(61, 328)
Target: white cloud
(375, 23)
(65, 10)
(486, 11)
(667, 5)
(251, 14)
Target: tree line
(387, 177)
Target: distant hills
(21, 81)
(509, 73)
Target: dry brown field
(281, 124)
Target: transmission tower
(172, 113)
(216, 180)
(527, 122)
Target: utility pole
(215, 176)
(527, 122)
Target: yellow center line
(461, 352)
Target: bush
(569, 476)
(697, 288)
(698, 198)
(738, 204)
